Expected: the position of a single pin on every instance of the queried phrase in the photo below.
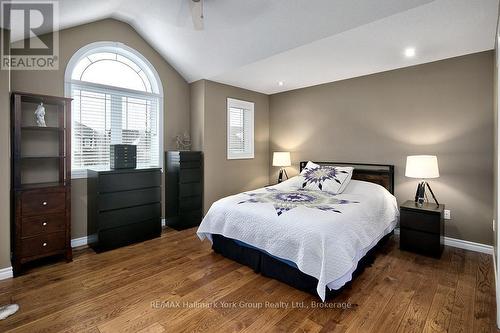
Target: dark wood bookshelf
(41, 219)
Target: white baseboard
(76, 242)
(463, 244)
(466, 245)
(497, 293)
(6, 273)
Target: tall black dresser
(184, 189)
(124, 206)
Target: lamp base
(280, 176)
(420, 194)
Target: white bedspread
(324, 235)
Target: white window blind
(240, 129)
(102, 116)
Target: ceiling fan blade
(196, 13)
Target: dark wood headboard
(382, 174)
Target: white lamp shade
(422, 166)
(281, 158)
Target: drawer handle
(44, 203)
(44, 244)
(44, 224)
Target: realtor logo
(34, 37)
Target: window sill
(241, 157)
(79, 174)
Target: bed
(312, 240)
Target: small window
(240, 138)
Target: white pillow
(327, 178)
(346, 182)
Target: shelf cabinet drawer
(128, 181)
(190, 203)
(191, 217)
(42, 203)
(128, 234)
(189, 156)
(117, 200)
(35, 225)
(39, 245)
(189, 190)
(420, 221)
(190, 165)
(421, 242)
(126, 216)
(189, 176)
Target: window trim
(250, 107)
(137, 57)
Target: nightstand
(422, 229)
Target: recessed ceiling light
(281, 83)
(410, 52)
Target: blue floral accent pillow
(332, 179)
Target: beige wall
(223, 177)
(175, 90)
(197, 103)
(443, 108)
(4, 168)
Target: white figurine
(40, 115)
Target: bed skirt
(271, 267)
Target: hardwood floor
(177, 284)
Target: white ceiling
(256, 43)
(439, 30)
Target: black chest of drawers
(184, 189)
(422, 228)
(124, 207)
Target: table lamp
(422, 167)
(281, 159)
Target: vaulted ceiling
(255, 44)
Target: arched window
(117, 99)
